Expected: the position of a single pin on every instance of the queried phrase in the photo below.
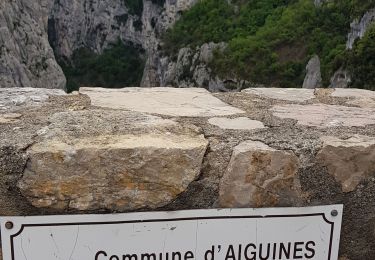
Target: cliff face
(26, 58)
(358, 28)
(95, 24)
(28, 30)
(34, 34)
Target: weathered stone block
(259, 176)
(350, 161)
(124, 172)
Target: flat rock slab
(239, 123)
(357, 97)
(9, 118)
(259, 176)
(321, 115)
(286, 94)
(14, 97)
(128, 161)
(350, 161)
(355, 93)
(184, 102)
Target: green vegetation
(121, 65)
(361, 61)
(269, 41)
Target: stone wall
(102, 150)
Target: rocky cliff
(96, 24)
(30, 29)
(359, 27)
(26, 58)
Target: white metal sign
(237, 234)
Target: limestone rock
(350, 161)
(341, 79)
(358, 28)
(191, 69)
(238, 123)
(259, 176)
(26, 58)
(287, 94)
(9, 118)
(323, 116)
(95, 25)
(14, 97)
(353, 93)
(357, 97)
(145, 163)
(193, 102)
(313, 78)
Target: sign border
(23, 226)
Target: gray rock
(341, 79)
(358, 28)
(95, 25)
(26, 58)
(313, 78)
(11, 97)
(191, 70)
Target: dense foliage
(361, 61)
(121, 65)
(270, 41)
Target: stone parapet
(169, 149)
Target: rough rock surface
(350, 161)
(96, 24)
(313, 78)
(14, 97)
(287, 94)
(103, 22)
(310, 134)
(340, 79)
(147, 170)
(321, 115)
(358, 28)
(356, 97)
(259, 176)
(26, 58)
(191, 70)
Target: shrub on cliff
(269, 41)
(361, 61)
(121, 65)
